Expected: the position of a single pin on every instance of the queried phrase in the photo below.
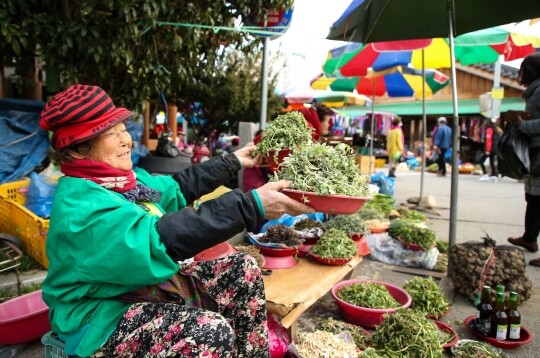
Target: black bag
(166, 148)
(513, 153)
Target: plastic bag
(277, 337)
(513, 153)
(386, 184)
(40, 195)
(289, 220)
(388, 250)
(165, 147)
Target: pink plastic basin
(368, 317)
(24, 319)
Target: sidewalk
(498, 208)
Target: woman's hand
(245, 156)
(276, 203)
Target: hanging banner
(277, 21)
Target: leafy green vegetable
(411, 233)
(369, 295)
(288, 130)
(427, 297)
(407, 334)
(352, 224)
(412, 215)
(442, 246)
(325, 170)
(469, 348)
(335, 243)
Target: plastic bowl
(23, 319)
(303, 250)
(215, 252)
(279, 262)
(328, 204)
(447, 328)
(357, 236)
(362, 246)
(275, 252)
(330, 260)
(282, 154)
(368, 317)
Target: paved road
(497, 208)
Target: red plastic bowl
(276, 262)
(272, 164)
(275, 252)
(329, 260)
(448, 328)
(303, 250)
(409, 246)
(525, 336)
(328, 204)
(215, 252)
(368, 317)
(357, 237)
(24, 319)
(378, 230)
(362, 246)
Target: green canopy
(466, 106)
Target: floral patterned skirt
(234, 325)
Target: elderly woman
(120, 280)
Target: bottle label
(515, 331)
(501, 332)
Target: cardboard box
(363, 163)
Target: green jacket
(100, 245)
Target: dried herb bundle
(407, 334)
(288, 130)
(427, 297)
(252, 251)
(368, 295)
(361, 339)
(335, 244)
(468, 348)
(306, 224)
(325, 170)
(281, 234)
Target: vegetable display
(368, 295)
(410, 233)
(335, 243)
(288, 130)
(360, 337)
(468, 348)
(412, 215)
(405, 334)
(381, 203)
(321, 344)
(306, 224)
(352, 224)
(324, 170)
(427, 297)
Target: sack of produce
(474, 264)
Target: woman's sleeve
(530, 127)
(198, 180)
(187, 232)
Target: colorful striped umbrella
(483, 46)
(403, 82)
(335, 99)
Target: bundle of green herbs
(324, 170)
(335, 244)
(411, 215)
(406, 334)
(468, 348)
(378, 208)
(306, 224)
(412, 233)
(352, 224)
(359, 335)
(427, 297)
(368, 295)
(287, 131)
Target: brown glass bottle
(484, 308)
(514, 318)
(499, 320)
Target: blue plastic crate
(54, 347)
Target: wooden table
(290, 292)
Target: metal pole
(455, 139)
(372, 131)
(264, 85)
(424, 126)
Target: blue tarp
(23, 144)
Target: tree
(228, 93)
(123, 45)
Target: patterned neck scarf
(117, 180)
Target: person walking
(529, 76)
(492, 134)
(394, 145)
(441, 143)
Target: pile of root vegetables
(472, 268)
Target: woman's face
(113, 147)
(325, 125)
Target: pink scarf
(103, 174)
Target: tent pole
(424, 126)
(455, 138)
(372, 131)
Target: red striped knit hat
(79, 114)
